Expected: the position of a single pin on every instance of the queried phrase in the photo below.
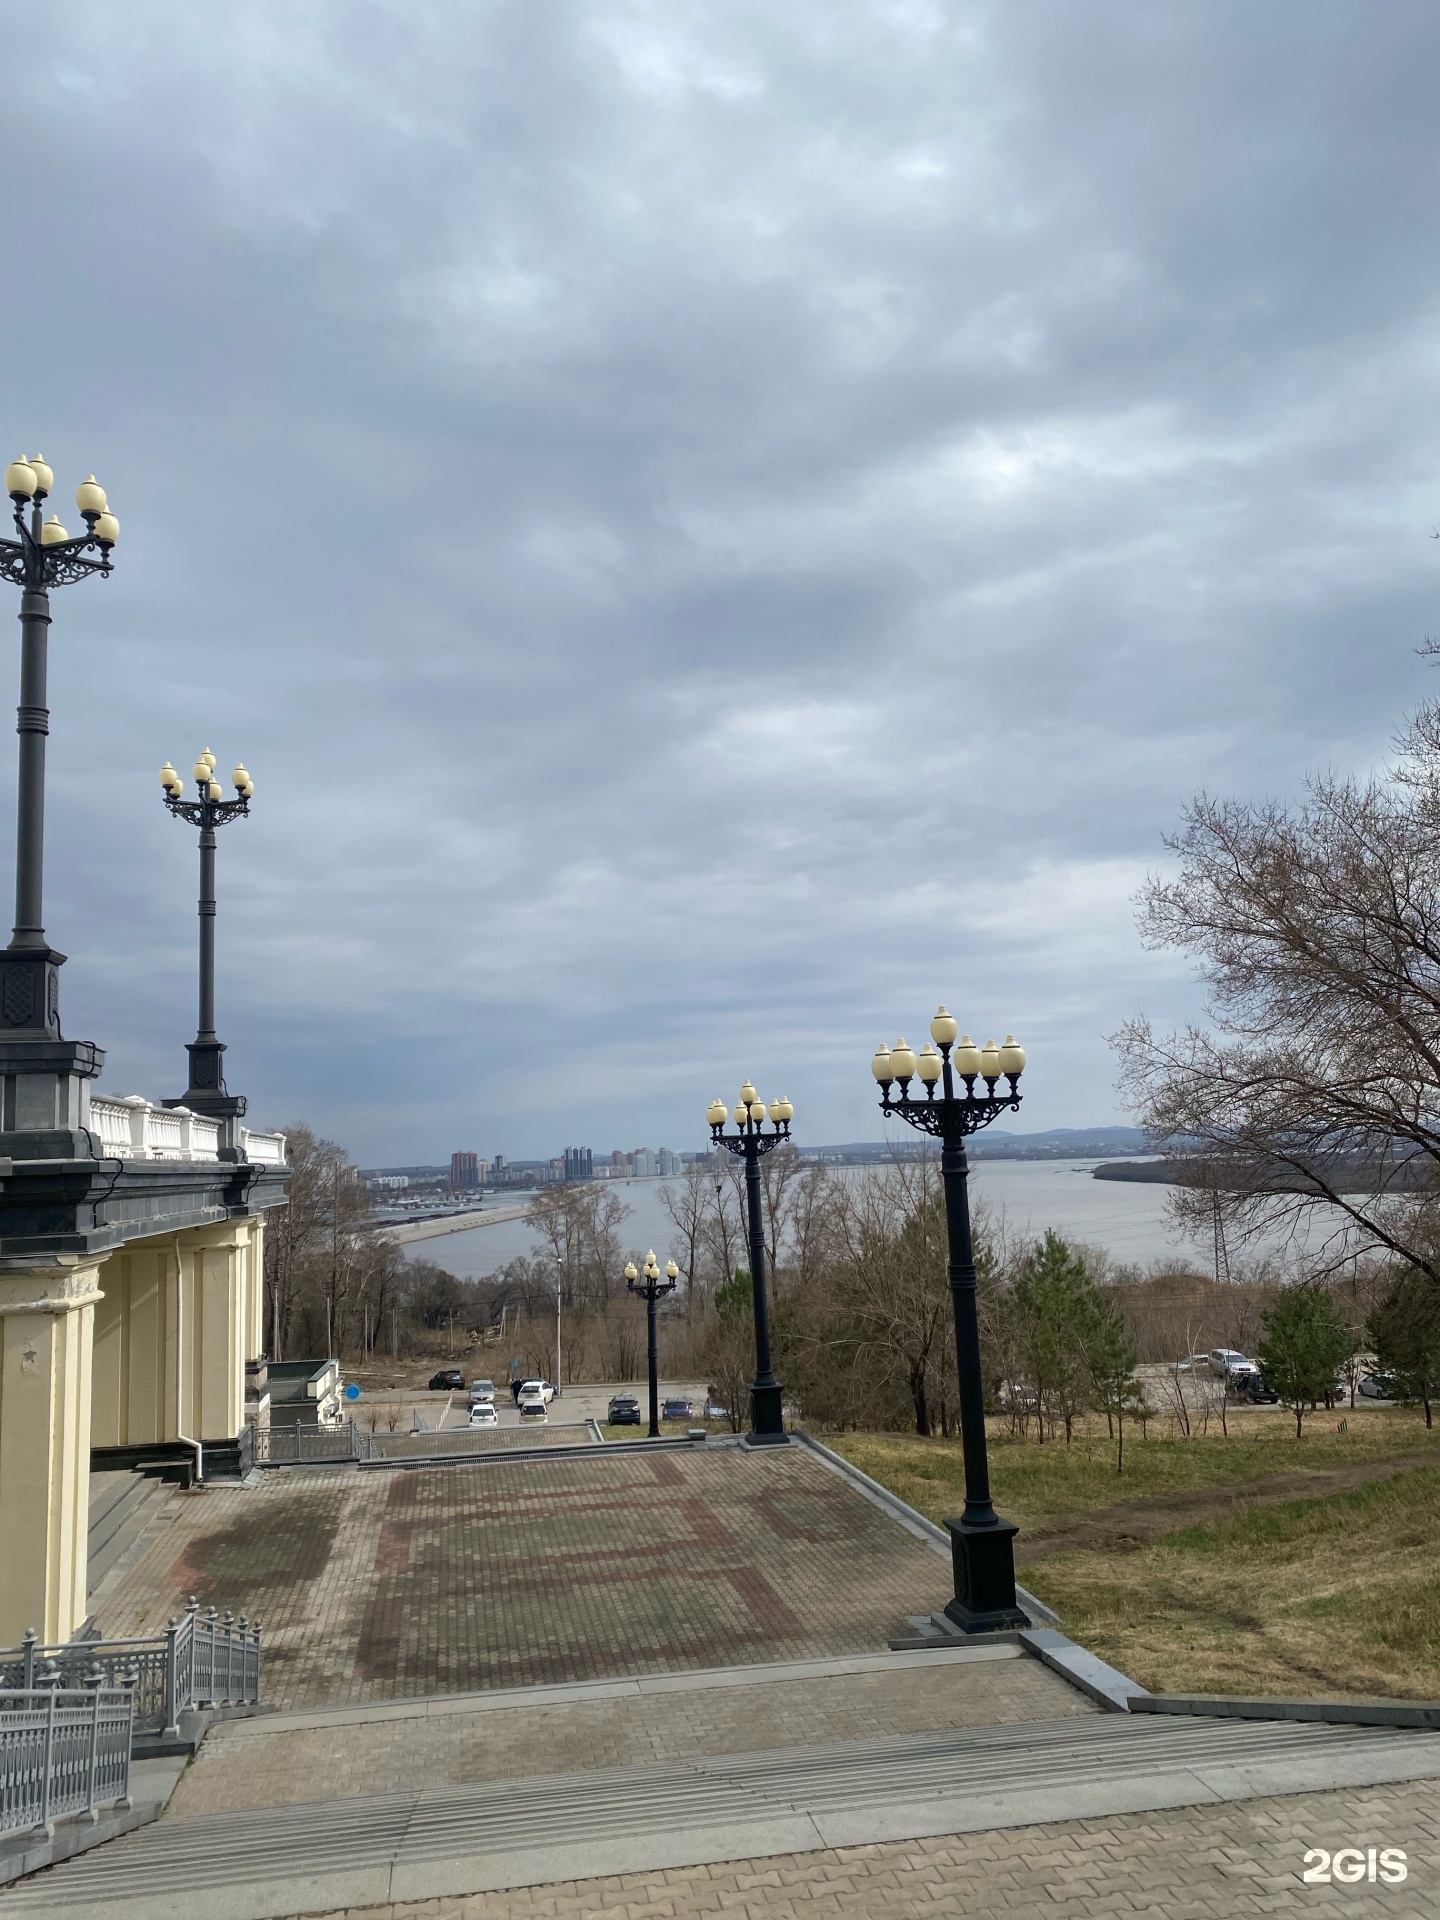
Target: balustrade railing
(131, 1128)
(202, 1660)
(64, 1750)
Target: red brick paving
(383, 1584)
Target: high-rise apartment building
(579, 1163)
(667, 1162)
(464, 1170)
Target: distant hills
(1002, 1143)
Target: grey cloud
(713, 527)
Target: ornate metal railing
(63, 1751)
(203, 1660)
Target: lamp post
(206, 1092)
(982, 1545)
(748, 1143)
(44, 1109)
(559, 1275)
(652, 1289)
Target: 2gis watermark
(1348, 1866)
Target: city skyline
(713, 531)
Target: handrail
(63, 1751)
(202, 1660)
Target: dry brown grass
(1312, 1597)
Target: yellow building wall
(46, 1334)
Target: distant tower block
(464, 1170)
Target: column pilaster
(46, 1332)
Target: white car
(532, 1407)
(542, 1387)
(483, 1414)
(1226, 1363)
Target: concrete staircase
(123, 1508)
(448, 1841)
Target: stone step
(279, 1861)
(123, 1516)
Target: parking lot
(447, 1411)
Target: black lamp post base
(227, 1108)
(767, 1422)
(984, 1562)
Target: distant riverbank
(1022, 1196)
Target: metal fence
(63, 1750)
(290, 1445)
(474, 1440)
(203, 1660)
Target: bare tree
(688, 1203)
(1312, 1101)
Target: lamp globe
(1012, 1058)
(943, 1028)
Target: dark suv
(1255, 1388)
(625, 1411)
(448, 1380)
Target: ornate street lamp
(43, 1072)
(981, 1543)
(748, 1143)
(206, 1092)
(652, 1289)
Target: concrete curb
(1341, 1713)
(589, 1450)
(909, 1518)
(1105, 1686)
(568, 1693)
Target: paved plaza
(466, 1740)
(1189, 1863)
(641, 1685)
(386, 1583)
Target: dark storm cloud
(713, 526)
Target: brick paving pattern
(241, 1765)
(1191, 1863)
(382, 1584)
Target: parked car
(542, 1387)
(1193, 1363)
(483, 1414)
(625, 1411)
(1254, 1388)
(714, 1411)
(532, 1407)
(1379, 1386)
(448, 1380)
(676, 1409)
(1228, 1364)
(481, 1390)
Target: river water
(1126, 1218)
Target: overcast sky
(713, 526)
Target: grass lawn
(1337, 1593)
(1317, 1597)
(1037, 1485)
